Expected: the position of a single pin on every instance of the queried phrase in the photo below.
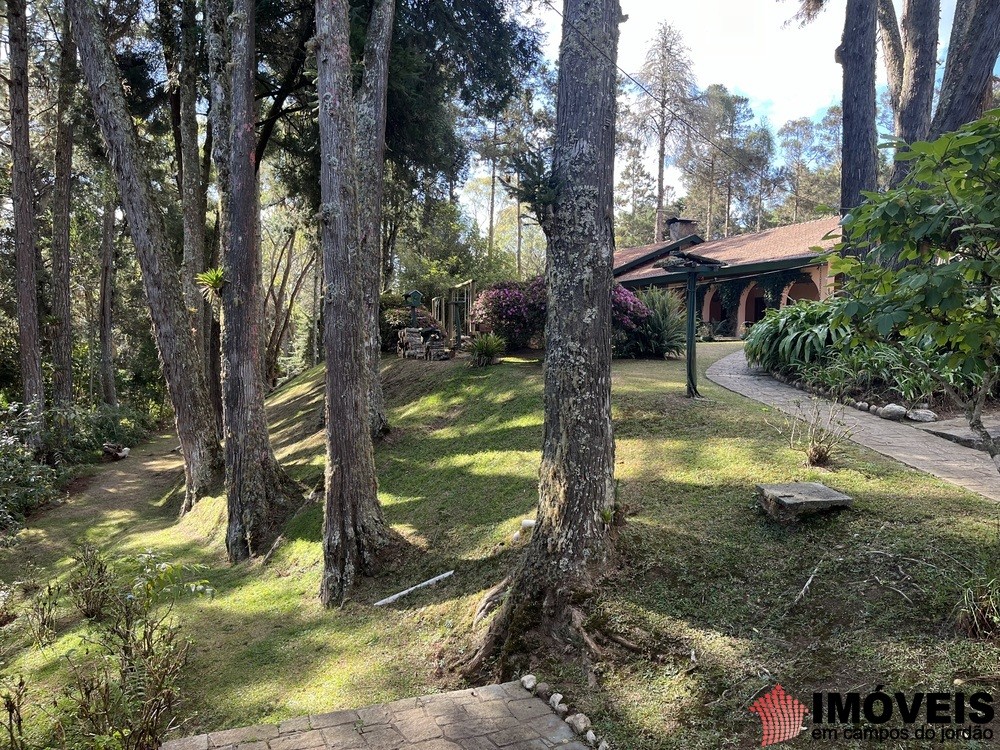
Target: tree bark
(62, 338)
(972, 53)
(354, 528)
(260, 496)
(183, 365)
(576, 484)
(109, 390)
(912, 114)
(661, 153)
(192, 188)
(857, 56)
(892, 49)
(370, 103)
(23, 198)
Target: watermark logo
(780, 715)
(878, 716)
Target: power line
(691, 126)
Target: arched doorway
(754, 305)
(805, 289)
(712, 310)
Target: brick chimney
(681, 228)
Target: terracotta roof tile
(780, 243)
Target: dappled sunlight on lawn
(696, 567)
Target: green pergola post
(692, 296)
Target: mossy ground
(700, 571)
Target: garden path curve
(965, 467)
(486, 718)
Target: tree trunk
(62, 338)
(192, 195)
(108, 389)
(661, 152)
(354, 528)
(370, 104)
(576, 484)
(892, 49)
(23, 198)
(857, 56)
(217, 33)
(183, 365)
(260, 496)
(912, 117)
(972, 53)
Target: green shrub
(801, 341)
(795, 336)
(75, 434)
(486, 348)
(25, 484)
(91, 584)
(664, 332)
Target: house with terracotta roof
(739, 277)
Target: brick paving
(914, 447)
(494, 717)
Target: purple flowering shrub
(628, 312)
(514, 310)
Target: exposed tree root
(493, 599)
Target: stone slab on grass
(786, 502)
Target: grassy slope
(700, 569)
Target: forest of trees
(196, 190)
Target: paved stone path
(942, 458)
(505, 717)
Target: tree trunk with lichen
(259, 494)
(22, 196)
(182, 363)
(62, 335)
(354, 529)
(576, 484)
(370, 103)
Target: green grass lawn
(698, 569)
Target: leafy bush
(658, 328)
(394, 316)
(75, 434)
(514, 310)
(91, 583)
(788, 339)
(929, 265)
(808, 341)
(486, 348)
(25, 484)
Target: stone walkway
(914, 447)
(504, 717)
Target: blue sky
(753, 47)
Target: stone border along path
(494, 717)
(965, 467)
